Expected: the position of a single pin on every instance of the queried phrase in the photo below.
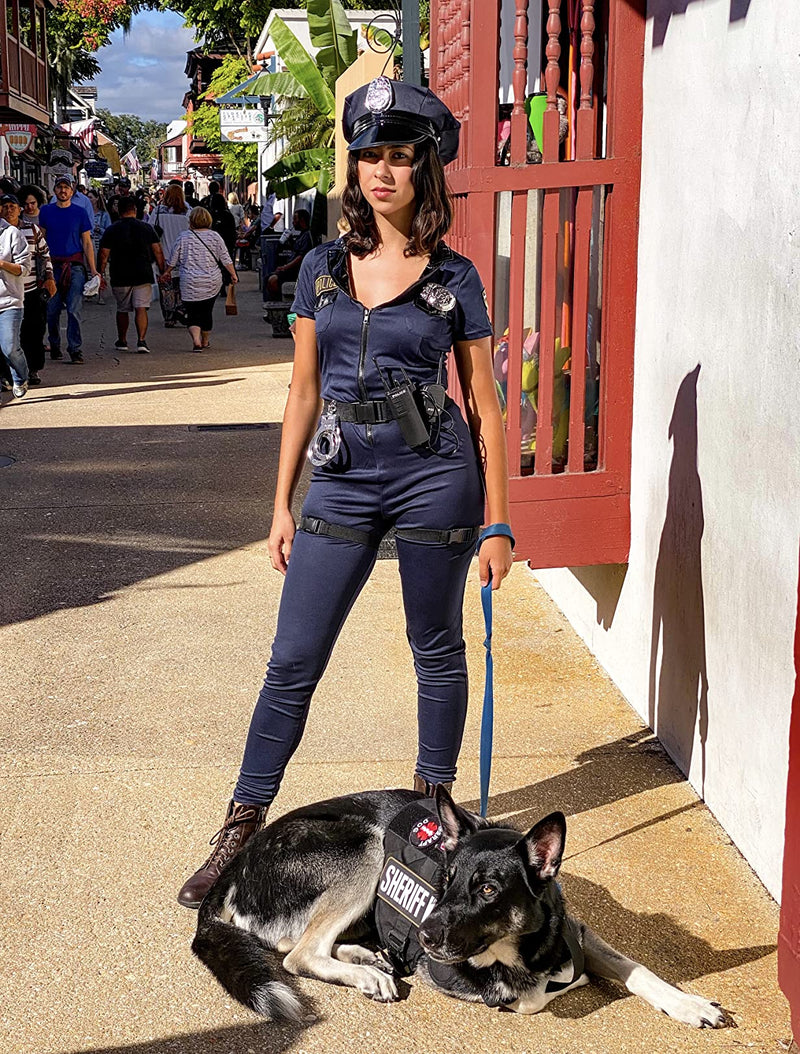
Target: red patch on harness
(425, 833)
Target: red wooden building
(24, 84)
(549, 215)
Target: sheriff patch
(324, 284)
(406, 892)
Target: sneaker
(34, 379)
(142, 347)
(55, 353)
(20, 389)
(77, 359)
(121, 345)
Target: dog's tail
(237, 959)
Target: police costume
(368, 477)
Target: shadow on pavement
(93, 510)
(602, 775)
(265, 1036)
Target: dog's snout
(431, 935)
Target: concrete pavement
(138, 608)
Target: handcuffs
(327, 440)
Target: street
(138, 607)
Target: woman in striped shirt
(199, 253)
(37, 282)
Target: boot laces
(224, 846)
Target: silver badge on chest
(438, 297)
(380, 95)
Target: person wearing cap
(15, 265)
(379, 311)
(68, 230)
(38, 286)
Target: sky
(142, 73)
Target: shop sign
(18, 136)
(242, 124)
(96, 169)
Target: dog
(493, 928)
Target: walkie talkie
(402, 400)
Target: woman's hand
(280, 541)
(495, 556)
(233, 274)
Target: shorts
(130, 297)
(200, 313)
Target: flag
(131, 161)
(84, 131)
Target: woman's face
(384, 175)
(31, 205)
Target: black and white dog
(494, 929)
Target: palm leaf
(283, 84)
(332, 35)
(300, 163)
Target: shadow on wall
(603, 582)
(661, 11)
(678, 690)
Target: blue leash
(487, 719)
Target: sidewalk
(138, 607)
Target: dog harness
(408, 892)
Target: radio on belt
(403, 402)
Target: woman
(39, 286)
(15, 265)
(237, 210)
(378, 312)
(102, 221)
(170, 219)
(199, 253)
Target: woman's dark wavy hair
(434, 206)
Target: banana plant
(307, 85)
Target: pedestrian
(379, 310)
(237, 210)
(189, 195)
(122, 189)
(15, 264)
(79, 197)
(213, 189)
(102, 221)
(170, 219)
(38, 287)
(200, 255)
(131, 246)
(69, 236)
(223, 223)
(299, 245)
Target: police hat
(388, 112)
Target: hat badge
(379, 95)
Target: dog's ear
(456, 823)
(543, 846)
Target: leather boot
(429, 789)
(241, 823)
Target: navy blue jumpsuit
(376, 482)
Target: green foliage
(239, 160)
(127, 130)
(306, 123)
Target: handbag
(223, 270)
(157, 226)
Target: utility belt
(371, 412)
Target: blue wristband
(493, 531)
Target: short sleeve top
(409, 336)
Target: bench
(276, 312)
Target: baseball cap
(9, 199)
(64, 179)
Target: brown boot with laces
(429, 789)
(241, 823)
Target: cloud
(142, 71)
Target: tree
(127, 130)
(240, 160)
(75, 30)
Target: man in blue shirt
(69, 236)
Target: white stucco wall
(715, 511)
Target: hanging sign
(240, 124)
(18, 136)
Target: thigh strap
(457, 536)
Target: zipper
(362, 387)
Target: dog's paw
(693, 1010)
(377, 985)
(354, 953)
